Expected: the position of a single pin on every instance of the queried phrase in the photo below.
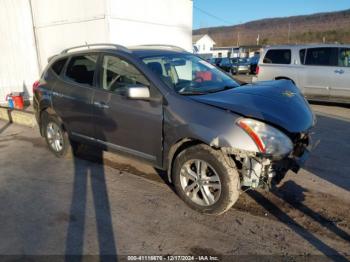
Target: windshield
(188, 74)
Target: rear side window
(58, 65)
(81, 69)
(225, 61)
(278, 56)
(324, 56)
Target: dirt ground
(115, 205)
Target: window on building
(278, 56)
(81, 69)
(324, 56)
(117, 74)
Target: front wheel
(206, 180)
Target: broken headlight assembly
(269, 140)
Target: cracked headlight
(268, 139)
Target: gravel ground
(86, 205)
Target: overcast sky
(209, 13)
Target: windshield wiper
(221, 89)
(189, 93)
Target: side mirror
(138, 92)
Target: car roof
(144, 51)
(140, 51)
(291, 46)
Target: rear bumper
(243, 70)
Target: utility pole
(288, 33)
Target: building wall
(64, 23)
(135, 22)
(58, 24)
(18, 62)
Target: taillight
(36, 85)
(257, 70)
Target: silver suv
(322, 72)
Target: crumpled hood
(277, 102)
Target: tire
(206, 197)
(62, 149)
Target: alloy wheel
(200, 182)
(54, 136)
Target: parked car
(253, 62)
(215, 61)
(227, 65)
(322, 72)
(177, 112)
(242, 65)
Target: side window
(344, 57)
(302, 53)
(118, 74)
(278, 56)
(81, 69)
(324, 56)
(58, 65)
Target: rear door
(340, 90)
(317, 75)
(73, 93)
(131, 126)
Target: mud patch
(62, 217)
(317, 212)
(199, 251)
(35, 141)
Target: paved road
(119, 206)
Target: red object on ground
(18, 100)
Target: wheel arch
(51, 112)
(284, 78)
(176, 149)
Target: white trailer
(33, 30)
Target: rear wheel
(56, 137)
(206, 179)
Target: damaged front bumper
(261, 170)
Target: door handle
(101, 105)
(339, 71)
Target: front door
(131, 126)
(340, 90)
(318, 72)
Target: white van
(321, 71)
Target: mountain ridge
(327, 26)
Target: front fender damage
(257, 170)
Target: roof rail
(173, 47)
(120, 47)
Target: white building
(33, 30)
(202, 44)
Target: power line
(211, 15)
